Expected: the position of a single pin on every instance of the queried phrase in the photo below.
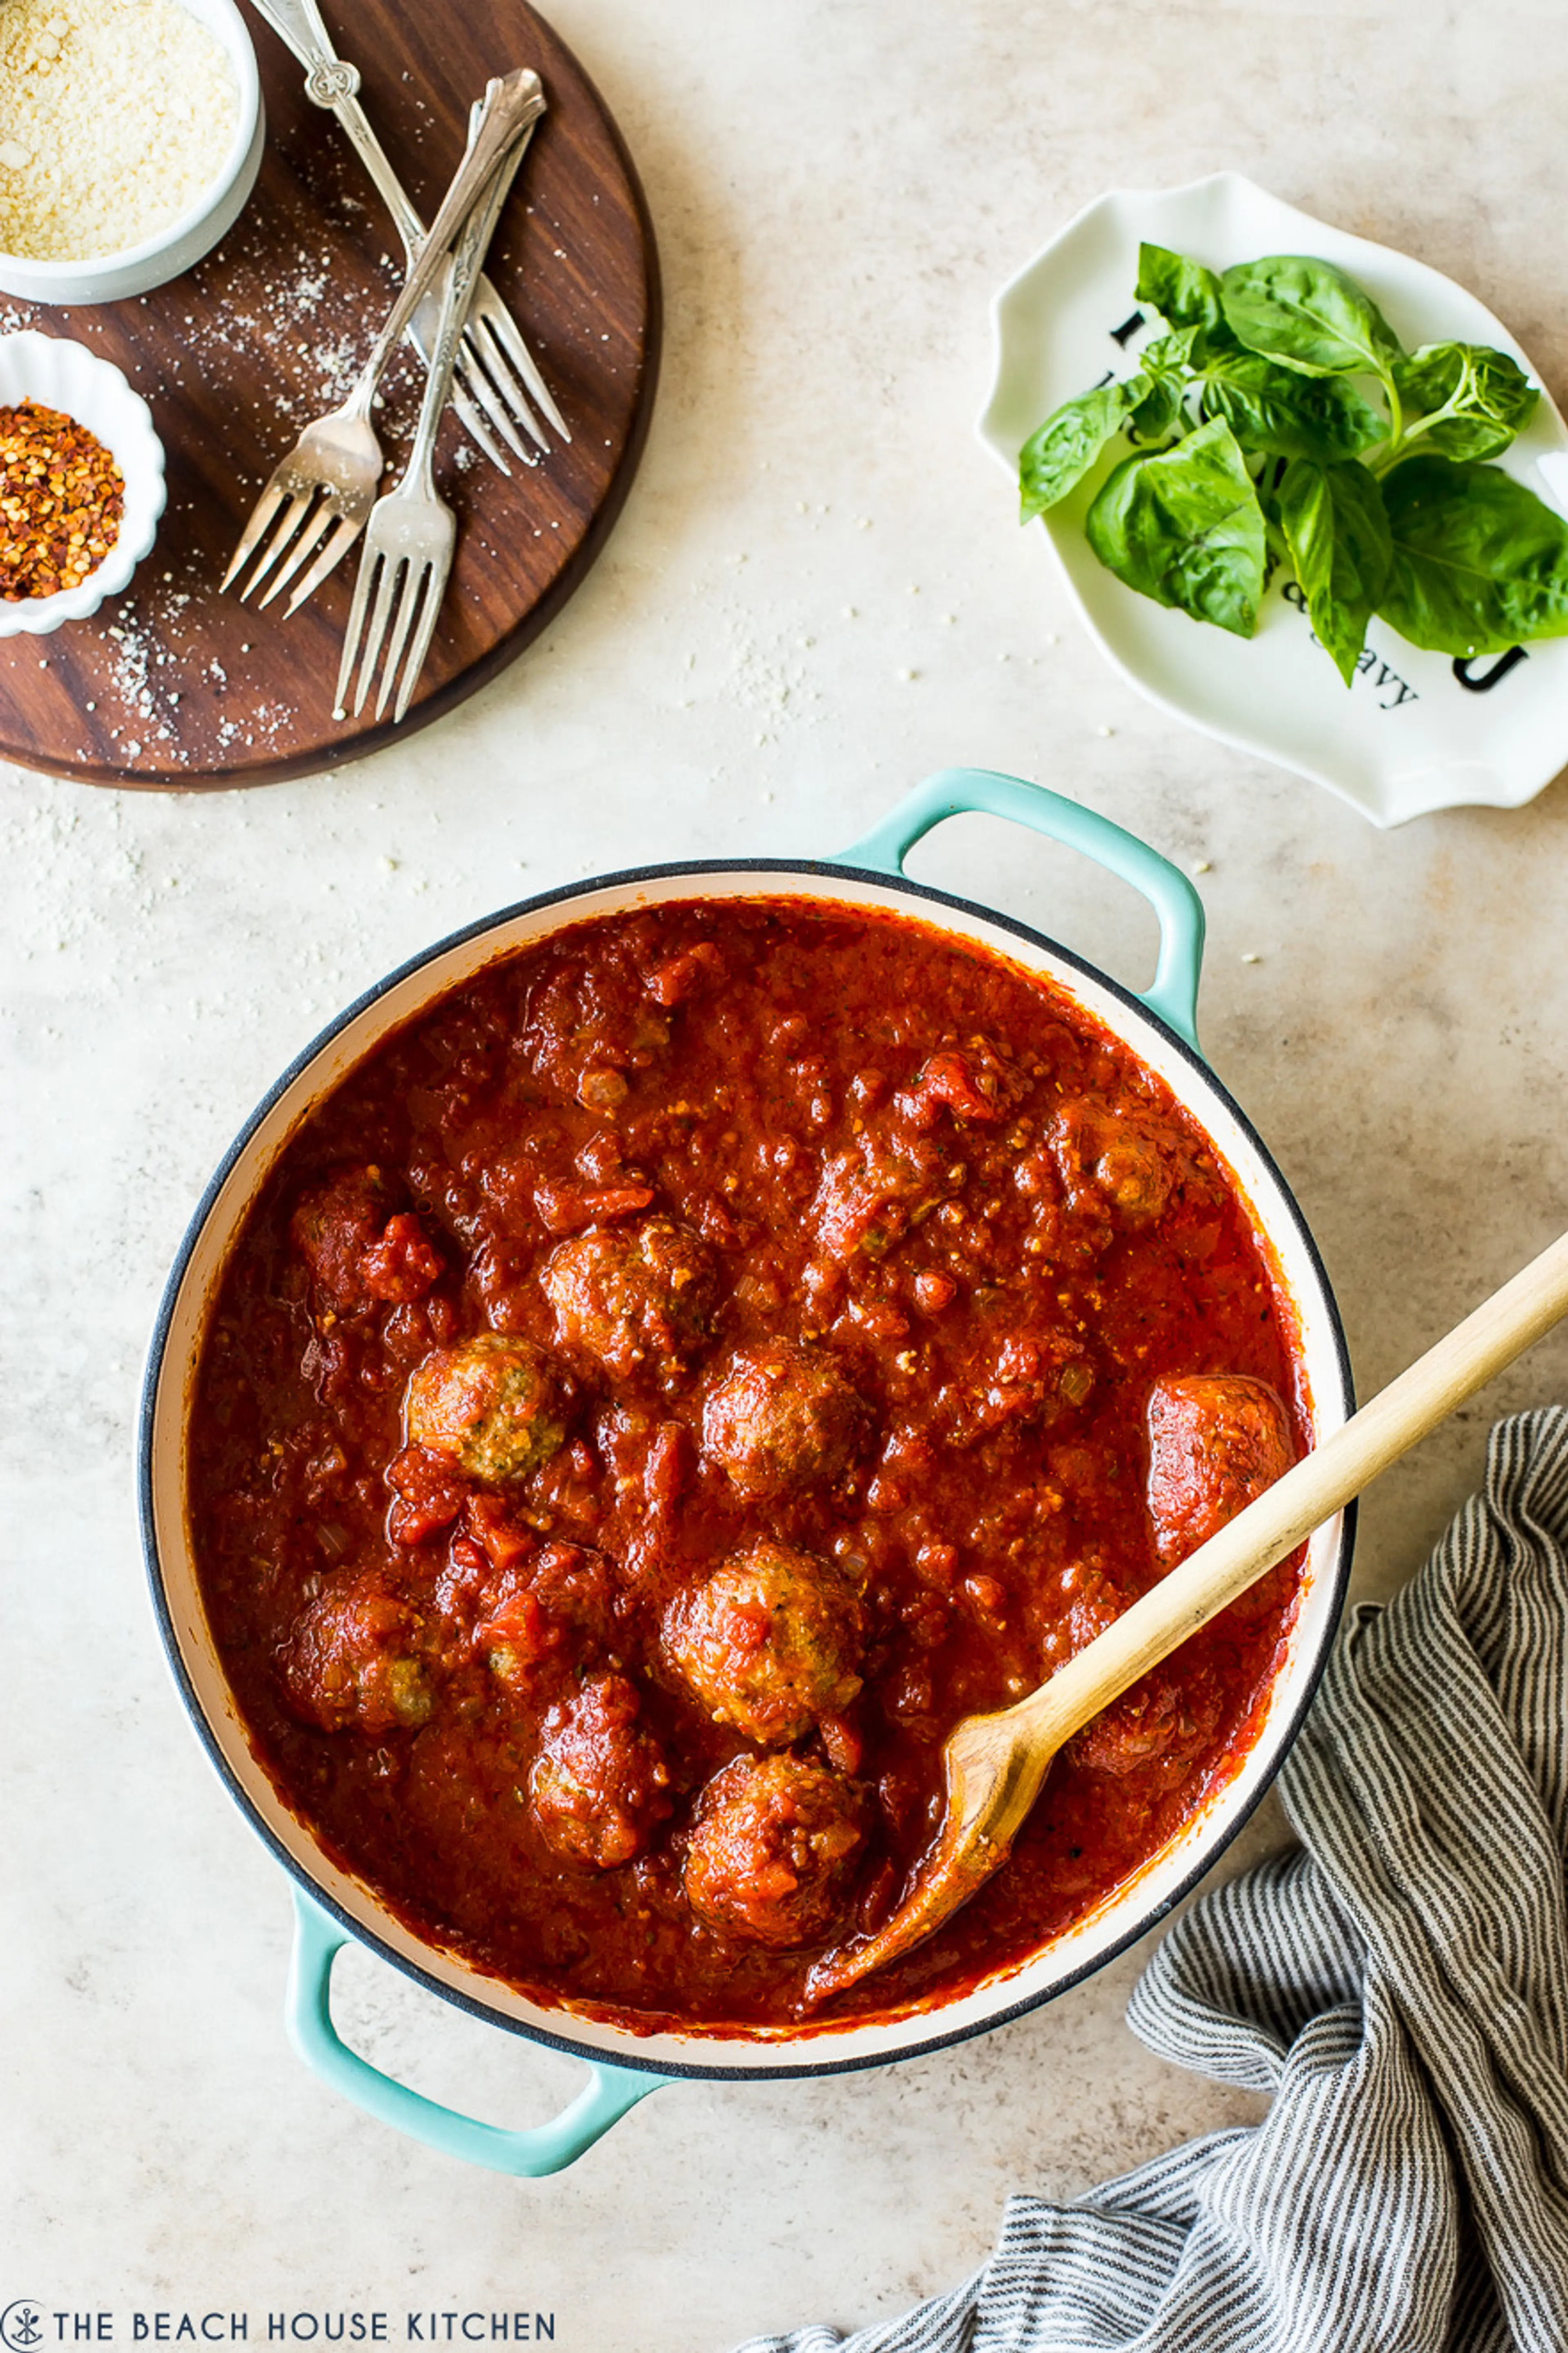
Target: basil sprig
(1280, 420)
(1477, 398)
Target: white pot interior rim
(180, 1328)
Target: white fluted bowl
(62, 374)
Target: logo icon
(22, 2325)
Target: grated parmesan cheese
(114, 116)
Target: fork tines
(491, 336)
(306, 520)
(417, 581)
(482, 382)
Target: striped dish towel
(1399, 1984)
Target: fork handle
(512, 104)
(461, 285)
(332, 83)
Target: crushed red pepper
(61, 495)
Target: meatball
(541, 1615)
(358, 1251)
(772, 1849)
(634, 1297)
(1158, 1730)
(496, 1406)
(1129, 1160)
(353, 1663)
(1215, 1442)
(872, 1193)
(782, 1419)
(770, 1643)
(598, 1785)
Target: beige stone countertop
(818, 594)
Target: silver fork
(492, 346)
(338, 455)
(408, 547)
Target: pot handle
(1175, 995)
(544, 2148)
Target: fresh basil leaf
(1270, 409)
(1306, 315)
(1169, 355)
(1056, 457)
(1339, 543)
(1430, 376)
(1155, 416)
(1168, 362)
(1184, 293)
(1479, 563)
(1469, 438)
(1185, 526)
(1489, 379)
(1487, 396)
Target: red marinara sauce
(669, 1382)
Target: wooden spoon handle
(1311, 1491)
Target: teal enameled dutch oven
(332, 1905)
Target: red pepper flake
(61, 496)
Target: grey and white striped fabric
(1400, 1984)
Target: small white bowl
(62, 374)
(137, 269)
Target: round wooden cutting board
(172, 685)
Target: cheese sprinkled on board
(114, 116)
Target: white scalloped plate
(65, 375)
(1410, 735)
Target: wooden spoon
(995, 1764)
